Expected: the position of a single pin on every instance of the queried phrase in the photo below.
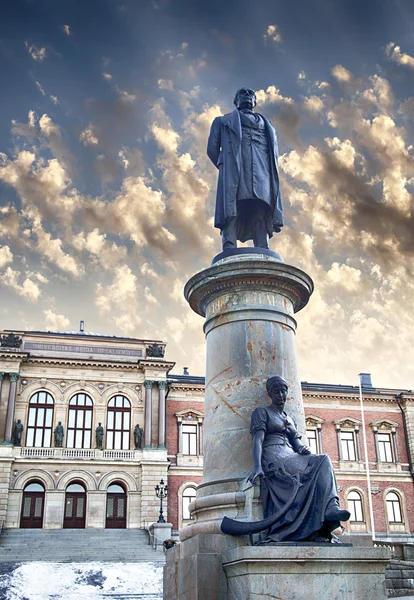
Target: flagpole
(364, 435)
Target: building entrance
(75, 507)
(33, 506)
(116, 507)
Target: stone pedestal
(295, 573)
(249, 302)
(159, 533)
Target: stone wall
(400, 578)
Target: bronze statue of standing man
(243, 146)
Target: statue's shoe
(337, 514)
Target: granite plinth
(296, 573)
(249, 301)
(221, 567)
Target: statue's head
(274, 384)
(245, 98)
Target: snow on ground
(76, 581)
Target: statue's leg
(229, 235)
(260, 235)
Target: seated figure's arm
(294, 439)
(257, 456)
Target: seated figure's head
(276, 383)
(245, 98)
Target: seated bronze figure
(298, 489)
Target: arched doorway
(116, 504)
(33, 506)
(75, 506)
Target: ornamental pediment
(348, 423)
(313, 421)
(189, 415)
(384, 424)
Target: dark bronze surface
(297, 488)
(243, 146)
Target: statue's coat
(224, 150)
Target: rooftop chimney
(185, 371)
(82, 326)
(365, 380)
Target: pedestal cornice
(248, 272)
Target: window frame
(314, 426)
(77, 409)
(349, 426)
(125, 431)
(388, 428)
(34, 408)
(352, 510)
(398, 501)
(184, 505)
(194, 418)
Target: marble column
(148, 413)
(1, 382)
(10, 408)
(248, 302)
(162, 385)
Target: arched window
(40, 419)
(80, 422)
(118, 424)
(355, 507)
(393, 505)
(32, 506)
(189, 495)
(116, 504)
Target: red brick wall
(378, 501)
(172, 427)
(329, 438)
(174, 483)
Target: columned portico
(162, 385)
(148, 383)
(14, 377)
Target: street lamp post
(161, 491)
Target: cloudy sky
(107, 196)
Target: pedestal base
(296, 573)
(207, 567)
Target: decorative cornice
(155, 362)
(12, 354)
(329, 396)
(238, 275)
(84, 363)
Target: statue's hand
(304, 450)
(254, 474)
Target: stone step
(77, 545)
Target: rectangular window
(189, 434)
(312, 436)
(384, 448)
(348, 445)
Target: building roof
(83, 334)
(315, 387)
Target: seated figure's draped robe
(281, 465)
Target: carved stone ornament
(155, 351)
(11, 341)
